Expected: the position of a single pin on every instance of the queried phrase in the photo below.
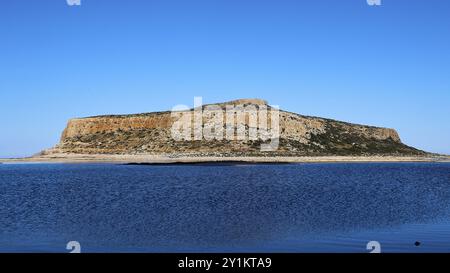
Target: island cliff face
(299, 135)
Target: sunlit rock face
(298, 135)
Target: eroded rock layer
(151, 133)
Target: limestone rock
(150, 133)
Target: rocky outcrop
(151, 133)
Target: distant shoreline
(170, 159)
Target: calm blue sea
(225, 208)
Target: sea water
(332, 207)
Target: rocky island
(149, 137)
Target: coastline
(171, 159)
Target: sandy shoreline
(166, 159)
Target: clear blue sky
(384, 66)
